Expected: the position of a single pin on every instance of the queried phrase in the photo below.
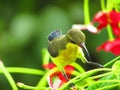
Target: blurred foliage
(25, 25)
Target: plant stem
(43, 80)
(8, 76)
(24, 70)
(112, 61)
(78, 67)
(102, 4)
(22, 85)
(110, 34)
(75, 73)
(86, 12)
(111, 4)
(83, 76)
(107, 87)
(103, 81)
(45, 56)
(101, 75)
(109, 7)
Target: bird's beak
(82, 45)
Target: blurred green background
(25, 25)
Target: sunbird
(66, 48)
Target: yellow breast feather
(67, 56)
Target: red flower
(58, 76)
(105, 18)
(111, 46)
(101, 18)
(114, 17)
(116, 29)
(114, 22)
(49, 66)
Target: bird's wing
(54, 34)
(52, 49)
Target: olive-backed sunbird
(65, 49)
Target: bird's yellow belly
(66, 56)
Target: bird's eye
(72, 41)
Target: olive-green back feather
(56, 45)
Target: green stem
(78, 67)
(102, 4)
(111, 62)
(43, 80)
(75, 73)
(80, 88)
(8, 76)
(89, 73)
(45, 56)
(109, 30)
(110, 5)
(109, 86)
(24, 70)
(83, 76)
(22, 85)
(108, 8)
(110, 34)
(86, 12)
(101, 75)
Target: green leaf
(116, 65)
(103, 82)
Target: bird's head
(76, 36)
